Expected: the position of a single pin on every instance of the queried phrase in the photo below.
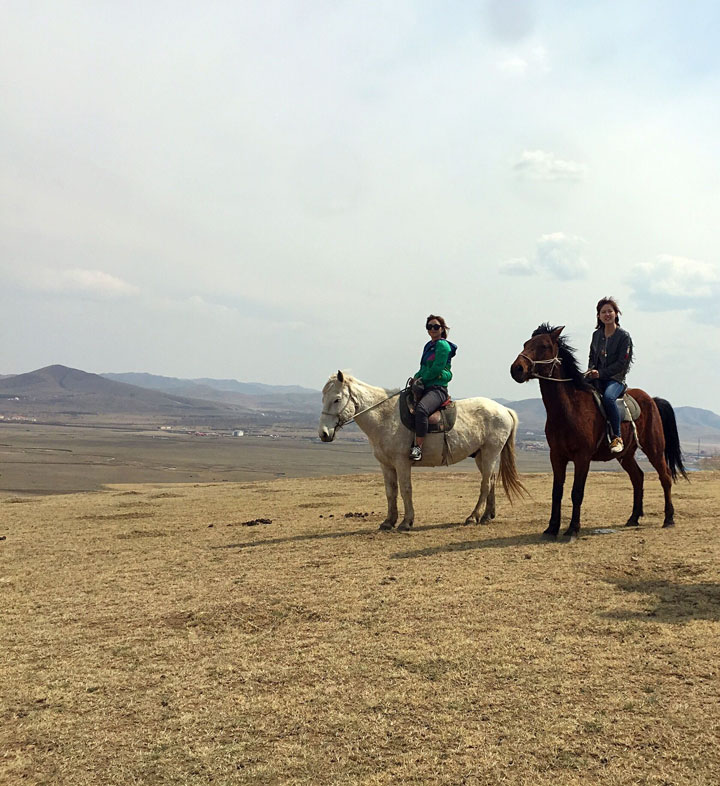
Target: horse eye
(337, 400)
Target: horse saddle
(440, 421)
(627, 406)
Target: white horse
(484, 430)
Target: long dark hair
(607, 301)
(445, 326)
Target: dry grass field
(266, 633)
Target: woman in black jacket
(611, 351)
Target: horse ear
(556, 333)
(340, 376)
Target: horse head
(338, 406)
(540, 351)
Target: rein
(554, 361)
(342, 422)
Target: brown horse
(576, 430)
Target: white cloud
(542, 165)
(557, 255)
(534, 60)
(673, 283)
(518, 266)
(94, 282)
(560, 255)
(81, 282)
(515, 66)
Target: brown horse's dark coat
(576, 430)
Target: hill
(61, 391)
(252, 395)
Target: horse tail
(673, 453)
(508, 470)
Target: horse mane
(349, 380)
(566, 353)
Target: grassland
(266, 633)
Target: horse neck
(367, 396)
(560, 400)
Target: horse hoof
(571, 534)
(470, 520)
(548, 535)
(386, 525)
(632, 523)
(404, 526)
(667, 524)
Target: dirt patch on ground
(322, 651)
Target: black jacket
(611, 357)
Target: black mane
(566, 353)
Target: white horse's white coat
(483, 429)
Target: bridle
(554, 363)
(340, 422)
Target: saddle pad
(629, 408)
(440, 421)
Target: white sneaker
(616, 446)
(415, 453)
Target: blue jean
(611, 391)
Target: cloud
(557, 255)
(519, 65)
(94, 282)
(518, 266)
(673, 283)
(542, 165)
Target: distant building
(238, 432)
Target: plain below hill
(57, 390)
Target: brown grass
(172, 645)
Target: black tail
(673, 453)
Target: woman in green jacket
(434, 373)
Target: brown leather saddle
(441, 421)
(627, 406)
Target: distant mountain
(692, 416)
(59, 390)
(531, 412)
(253, 388)
(252, 395)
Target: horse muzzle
(326, 434)
(520, 370)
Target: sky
(272, 190)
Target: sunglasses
(432, 326)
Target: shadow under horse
(576, 429)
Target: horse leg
(582, 467)
(559, 466)
(637, 477)
(391, 491)
(403, 476)
(657, 459)
(486, 485)
(489, 513)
